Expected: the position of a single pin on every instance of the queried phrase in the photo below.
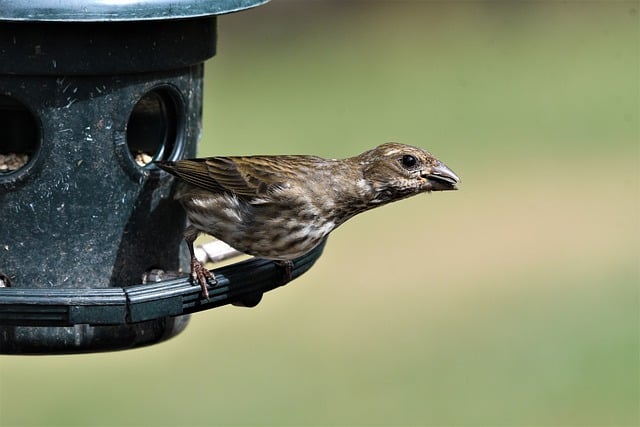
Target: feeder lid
(117, 10)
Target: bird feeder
(91, 92)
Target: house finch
(281, 207)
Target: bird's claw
(287, 270)
(200, 274)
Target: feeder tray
(128, 307)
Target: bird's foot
(200, 274)
(287, 270)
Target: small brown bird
(281, 207)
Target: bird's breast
(266, 229)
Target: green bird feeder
(91, 92)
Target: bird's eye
(409, 161)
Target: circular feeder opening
(19, 136)
(156, 126)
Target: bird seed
(10, 162)
(143, 159)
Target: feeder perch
(91, 92)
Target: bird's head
(395, 171)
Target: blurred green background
(514, 301)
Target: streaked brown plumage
(281, 207)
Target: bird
(280, 207)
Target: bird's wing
(248, 176)
(258, 175)
(194, 172)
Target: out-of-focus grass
(513, 301)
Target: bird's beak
(442, 178)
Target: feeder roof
(117, 10)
